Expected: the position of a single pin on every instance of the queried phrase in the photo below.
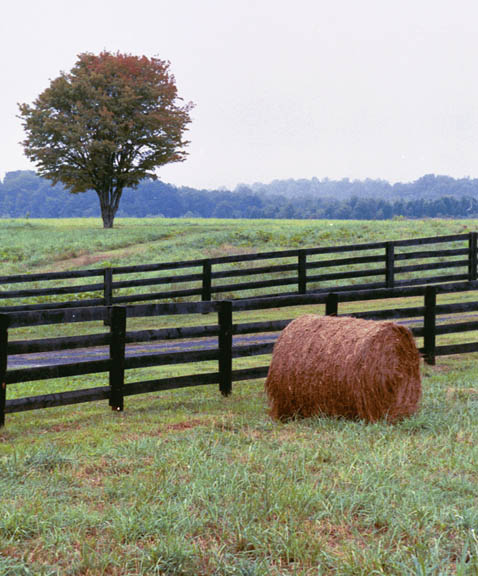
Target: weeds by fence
(118, 337)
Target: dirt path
(102, 352)
(87, 259)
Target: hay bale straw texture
(344, 367)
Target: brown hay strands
(344, 367)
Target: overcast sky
(283, 89)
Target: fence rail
(119, 335)
(451, 258)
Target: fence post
(206, 281)
(472, 253)
(4, 321)
(332, 304)
(390, 264)
(107, 291)
(225, 347)
(429, 324)
(302, 272)
(117, 356)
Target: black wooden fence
(397, 263)
(118, 337)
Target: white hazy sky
(283, 89)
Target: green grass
(41, 245)
(190, 483)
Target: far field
(190, 483)
(40, 245)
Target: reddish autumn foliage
(106, 125)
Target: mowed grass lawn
(190, 483)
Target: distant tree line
(23, 193)
(428, 186)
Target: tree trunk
(108, 216)
(109, 202)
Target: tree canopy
(106, 125)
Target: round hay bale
(344, 367)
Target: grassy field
(190, 483)
(44, 245)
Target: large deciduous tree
(106, 125)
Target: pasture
(188, 482)
(48, 245)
